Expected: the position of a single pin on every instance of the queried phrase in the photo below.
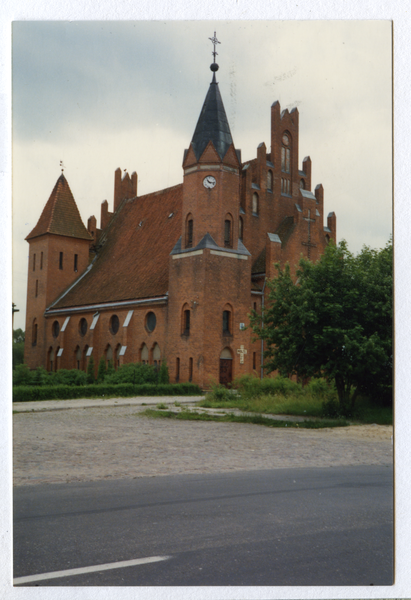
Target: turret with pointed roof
(60, 216)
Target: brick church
(173, 275)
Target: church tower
(210, 268)
(58, 255)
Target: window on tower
(186, 322)
(61, 261)
(255, 207)
(228, 232)
(241, 228)
(270, 181)
(189, 232)
(226, 322)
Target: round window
(55, 329)
(82, 327)
(151, 321)
(114, 324)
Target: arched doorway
(226, 367)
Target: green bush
(320, 388)
(135, 373)
(27, 393)
(69, 377)
(22, 375)
(90, 370)
(163, 376)
(250, 386)
(219, 393)
(101, 371)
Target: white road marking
(93, 569)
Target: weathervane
(62, 166)
(214, 40)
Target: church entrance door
(226, 367)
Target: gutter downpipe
(262, 327)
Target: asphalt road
(288, 527)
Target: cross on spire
(214, 41)
(308, 243)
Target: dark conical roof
(212, 124)
(61, 215)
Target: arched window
(156, 356)
(190, 369)
(255, 203)
(185, 320)
(55, 329)
(241, 228)
(51, 359)
(77, 358)
(227, 322)
(117, 354)
(228, 232)
(302, 184)
(144, 354)
(34, 333)
(109, 354)
(177, 369)
(189, 231)
(327, 238)
(286, 153)
(270, 181)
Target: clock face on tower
(209, 182)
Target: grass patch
(254, 419)
(280, 396)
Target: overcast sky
(102, 95)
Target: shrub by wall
(27, 393)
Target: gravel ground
(60, 446)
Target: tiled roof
(61, 215)
(133, 261)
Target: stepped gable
(212, 124)
(133, 260)
(61, 216)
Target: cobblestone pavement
(116, 442)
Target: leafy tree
(335, 322)
(18, 347)
(90, 370)
(163, 376)
(101, 372)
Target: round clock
(209, 182)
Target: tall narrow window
(254, 360)
(286, 154)
(34, 262)
(186, 325)
(61, 261)
(269, 181)
(227, 233)
(226, 322)
(241, 228)
(302, 184)
(190, 369)
(34, 334)
(78, 358)
(255, 203)
(41, 260)
(37, 288)
(177, 370)
(189, 235)
(76, 262)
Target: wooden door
(226, 371)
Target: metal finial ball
(214, 67)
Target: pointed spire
(212, 124)
(61, 216)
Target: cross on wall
(242, 352)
